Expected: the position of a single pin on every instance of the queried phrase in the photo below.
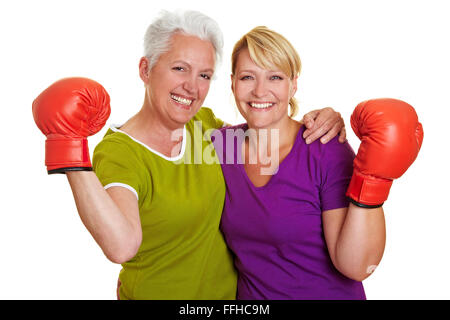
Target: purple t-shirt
(275, 231)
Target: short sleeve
(115, 165)
(209, 120)
(336, 172)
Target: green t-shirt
(183, 254)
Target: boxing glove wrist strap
(368, 191)
(67, 154)
(365, 206)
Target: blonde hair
(269, 49)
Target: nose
(190, 84)
(259, 89)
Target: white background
(350, 50)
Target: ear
(232, 83)
(294, 86)
(144, 69)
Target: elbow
(124, 252)
(358, 274)
(355, 265)
(120, 257)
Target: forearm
(110, 228)
(361, 241)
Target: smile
(261, 105)
(181, 100)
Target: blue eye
(246, 78)
(276, 78)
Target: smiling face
(178, 83)
(262, 96)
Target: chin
(258, 122)
(183, 116)
(182, 119)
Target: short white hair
(158, 34)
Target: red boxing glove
(391, 137)
(67, 113)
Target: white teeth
(181, 100)
(261, 105)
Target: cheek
(284, 92)
(241, 91)
(204, 89)
(161, 86)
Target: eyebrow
(188, 64)
(208, 70)
(245, 70)
(253, 71)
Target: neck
(275, 136)
(154, 122)
(150, 124)
(268, 148)
(148, 127)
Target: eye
(205, 76)
(276, 78)
(178, 68)
(246, 78)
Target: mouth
(261, 105)
(181, 100)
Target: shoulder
(208, 119)
(332, 149)
(115, 144)
(236, 131)
(336, 149)
(334, 160)
(238, 127)
(204, 112)
(226, 141)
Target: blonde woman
(286, 217)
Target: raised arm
(391, 137)
(67, 113)
(111, 216)
(355, 239)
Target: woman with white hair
(151, 205)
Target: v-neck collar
(240, 162)
(114, 127)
